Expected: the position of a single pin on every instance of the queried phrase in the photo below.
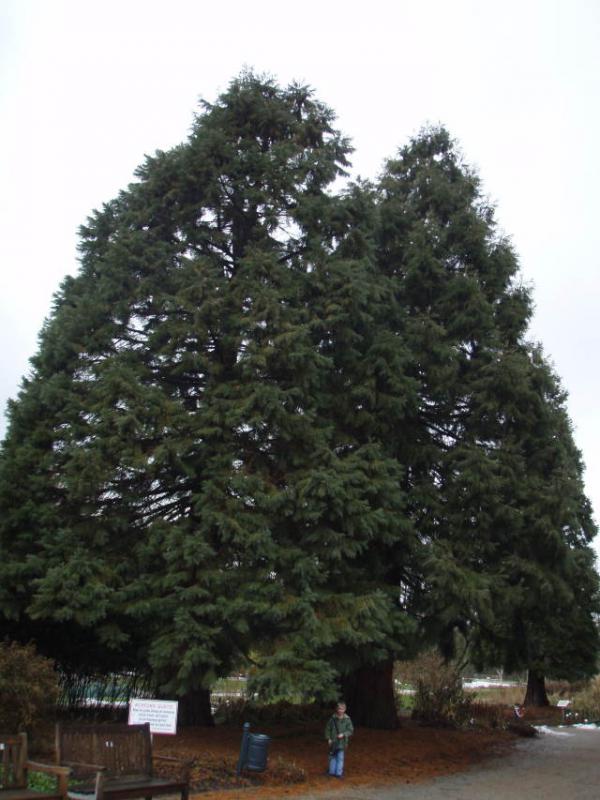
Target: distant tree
(494, 480)
(546, 597)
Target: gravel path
(560, 764)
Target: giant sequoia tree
(546, 591)
(272, 426)
(494, 478)
(462, 315)
(177, 477)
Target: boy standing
(338, 731)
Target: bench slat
(123, 755)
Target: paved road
(560, 764)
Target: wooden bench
(14, 768)
(113, 762)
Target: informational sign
(161, 714)
(563, 704)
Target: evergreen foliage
(186, 487)
(276, 425)
(496, 480)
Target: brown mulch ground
(298, 756)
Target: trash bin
(258, 750)
(253, 751)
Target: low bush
(585, 704)
(41, 782)
(286, 772)
(439, 695)
(238, 710)
(487, 715)
(28, 687)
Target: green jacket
(344, 725)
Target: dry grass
(499, 695)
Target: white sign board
(161, 714)
(563, 704)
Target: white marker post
(563, 705)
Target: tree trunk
(194, 709)
(369, 695)
(536, 689)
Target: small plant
(287, 772)
(28, 687)
(40, 782)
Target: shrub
(28, 687)
(586, 703)
(238, 710)
(487, 715)
(41, 782)
(286, 772)
(230, 710)
(439, 696)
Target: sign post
(563, 705)
(161, 714)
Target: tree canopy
(275, 424)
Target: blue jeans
(336, 764)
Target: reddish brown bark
(194, 709)
(536, 689)
(369, 695)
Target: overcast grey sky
(88, 87)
